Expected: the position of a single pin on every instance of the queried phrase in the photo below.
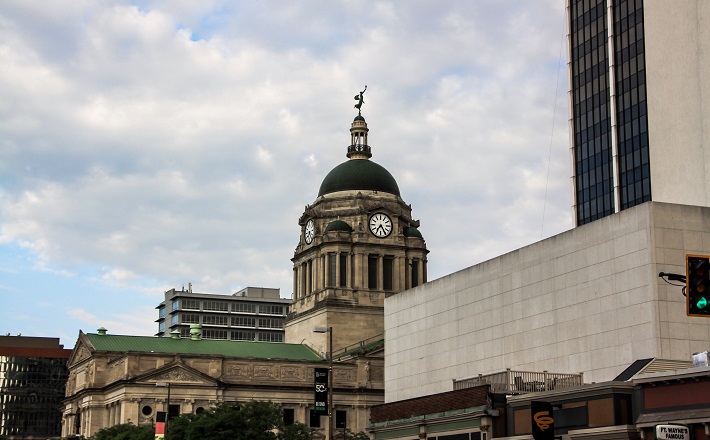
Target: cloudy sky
(147, 145)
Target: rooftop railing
(359, 346)
(519, 382)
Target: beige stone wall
(354, 311)
(196, 382)
(351, 325)
(588, 300)
(677, 50)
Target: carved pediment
(80, 352)
(177, 374)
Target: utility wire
(552, 131)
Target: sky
(147, 145)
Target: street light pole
(167, 412)
(329, 330)
(330, 383)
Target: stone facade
(343, 271)
(587, 300)
(106, 388)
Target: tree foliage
(349, 435)
(296, 431)
(127, 431)
(237, 421)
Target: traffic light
(697, 285)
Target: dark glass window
(331, 270)
(31, 394)
(243, 336)
(415, 273)
(591, 113)
(372, 272)
(289, 416)
(630, 81)
(343, 269)
(314, 419)
(341, 417)
(189, 318)
(173, 411)
(387, 272)
(214, 334)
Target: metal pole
(330, 385)
(167, 414)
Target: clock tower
(359, 244)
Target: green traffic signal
(697, 285)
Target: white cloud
(151, 145)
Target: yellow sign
(543, 420)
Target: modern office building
(252, 314)
(33, 375)
(639, 104)
(589, 300)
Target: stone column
(422, 271)
(295, 283)
(336, 255)
(380, 273)
(397, 273)
(357, 271)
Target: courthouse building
(358, 245)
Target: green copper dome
(338, 225)
(412, 232)
(359, 174)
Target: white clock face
(310, 231)
(380, 225)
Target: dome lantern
(359, 149)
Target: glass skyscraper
(628, 132)
(33, 377)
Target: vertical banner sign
(320, 381)
(159, 425)
(543, 421)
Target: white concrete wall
(677, 46)
(588, 300)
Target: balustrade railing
(518, 382)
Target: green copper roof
(338, 225)
(412, 232)
(361, 349)
(241, 349)
(359, 174)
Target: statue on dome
(360, 101)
